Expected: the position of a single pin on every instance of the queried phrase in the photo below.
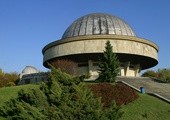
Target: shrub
(61, 98)
(10, 84)
(68, 66)
(119, 93)
(8, 79)
(164, 75)
(124, 94)
(161, 74)
(149, 73)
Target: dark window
(83, 65)
(131, 66)
(27, 81)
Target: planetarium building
(84, 42)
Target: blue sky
(26, 26)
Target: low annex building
(30, 74)
(84, 41)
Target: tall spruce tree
(109, 66)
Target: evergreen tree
(61, 98)
(109, 66)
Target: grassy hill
(8, 92)
(145, 107)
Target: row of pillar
(126, 69)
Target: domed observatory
(84, 40)
(31, 74)
(28, 70)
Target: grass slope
(145, 107)
(9, 92)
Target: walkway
(150, 85)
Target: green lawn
(145, 107)
(8, 92)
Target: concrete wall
(33, 78)
(129, 45)
(125, 70)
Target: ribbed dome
(98, 24)
(29, 70)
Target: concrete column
(137, 70)
(122, 71)
(90, 65)
(126, 67)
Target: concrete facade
(96, 44)
(134, 53)
(34, 78)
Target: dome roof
(29, 70)
(98, 24)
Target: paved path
(150, 86)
